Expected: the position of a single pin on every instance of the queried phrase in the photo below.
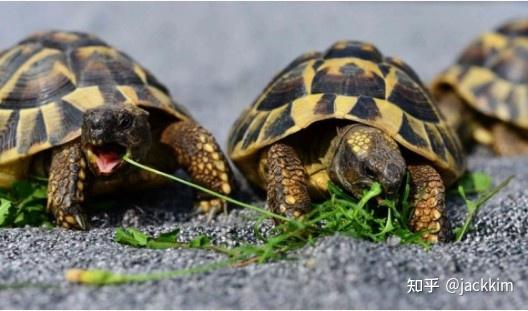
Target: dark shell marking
(48, 80)
(353, 81)
(358, 49)
(287, 88)
(491, 74)
(412, 99)
(366, 108)
(325, 105)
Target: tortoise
(353, 117)
(72, 106)
(484, 95)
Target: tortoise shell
(49, 79)
(351, 81)
(491, 75)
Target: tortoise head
(365, 155)
(108, 133)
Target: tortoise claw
(82, 222)
(211, 207)
(73, 218)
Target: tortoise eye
(125, 121)
(370, 173)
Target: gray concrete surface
(215, 58)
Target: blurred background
(216, 57)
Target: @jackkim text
(459, 286)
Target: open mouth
(106, 158)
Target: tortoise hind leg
(508, 142)
(428, 200)
(198, 153)
(287, 191)
(66, 186)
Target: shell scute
(403, 66)
(408, 132)
(284, 90)
(50, 79)
(491, 74)
(347, 83)
(512, 65)
(412, 98)
(514, 28)
(356, 49)
(366, 108)
(349, 80)
(279, 123)
(325, 106)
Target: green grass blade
(210, 192)
(473, 207)
(105, 277)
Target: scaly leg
(428, 199)
(287, 191)
(67, 181)
(200, 156)
(508, 142)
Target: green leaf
(139, 236)
(134, 237)
(40, 193)
(474, 206)
(22, 189)
(200, 241)
(6, 212)
(32, 215)
(168, 237)
(342, 213)
(165, 240)
(130, 236)
(475, 182)
(28, 204)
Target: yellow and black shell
(350, 81)
(491, 75)
(49, 79)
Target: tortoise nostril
(96, 124)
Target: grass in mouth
(25, 204)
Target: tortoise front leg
(198, 153)
(67, 181)
(508, 142)
(287, 191)
(428, 199)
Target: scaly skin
(428, 199)
(200, 156)
(190, 147)
(66, 186)
(360, 155)
(507, 141)
(287, 190)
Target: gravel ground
(211, 48)
(338, 272)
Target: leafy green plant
(24, 204)
(341, 213)
(135, 238)
(472, 183)
(374, 220)
(474, 206)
